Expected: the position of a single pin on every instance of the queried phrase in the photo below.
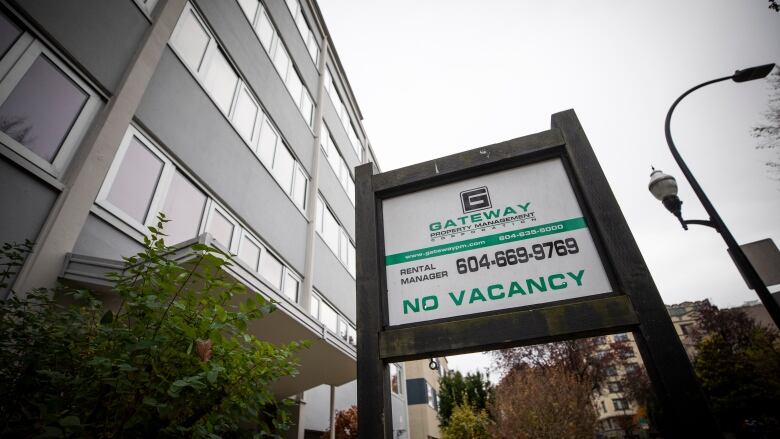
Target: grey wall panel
(336, 196)
(100, 239)
(400, 416)
(26, 202)
(346, 395)
(178, 112)
(235, 33)
(315, 412)
(332, 279)
(101, 35)
(296, 47)
(338, 133)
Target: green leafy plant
(166, 353)
(467, 422)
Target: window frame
(14, 65)
(160, 189)
(237, 229)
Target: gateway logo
(475, 199)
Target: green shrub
(173, 358)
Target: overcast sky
(434, 78)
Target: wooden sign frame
(634, 306)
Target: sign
(495, 248)
(504, 240)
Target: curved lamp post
(664, 188)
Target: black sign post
(634, 305)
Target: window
(269, 38)
(329, 317)
(291, 285)
(44, 107)
(191, 39)
(220, 81)
(396, 379)
(282, 165)
(343, 113)
(614, 386)
(314, 307)
(431, 394)
(143, 182)
(601, 340)
(303, 28)
(271, 269)
(687, 329)
(245, 114)
(335, 236)
(249, 251)
(632, 368)
(337, 163)
(611, 371)
(620, 337)
(352, 335)
(184, 206)
(135, 181)
(620, 404)
(198, 49)
(221, 228)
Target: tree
(768, 132)
(773, 5)
(473, 390)
(467, 422)
(588, 358)
(738, 364)
(346, 424)
(543, 403)
(174, 358)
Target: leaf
(211, 376)
(70, 421)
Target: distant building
(616, 413)
(422, 384)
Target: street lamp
(664, 188)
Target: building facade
(235, 118)
(422, 383)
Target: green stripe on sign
(486, 241)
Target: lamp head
(752, 73)
(662, 185)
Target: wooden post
(662, 352)
(375, 418)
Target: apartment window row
(335, 322)
(266, 31)
(330, 87)
(45, 108)
(308, 36)
(335, 236)
(142, 182)
(397, 379)
(199, 50)
(337, 163)
(431, 396)
(620, 404)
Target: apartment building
(234, 117)
(616, 413)
(422, 383)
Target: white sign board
(505, 240)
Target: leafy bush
(172, 357)
(467, 422)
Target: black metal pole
(740, 259)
